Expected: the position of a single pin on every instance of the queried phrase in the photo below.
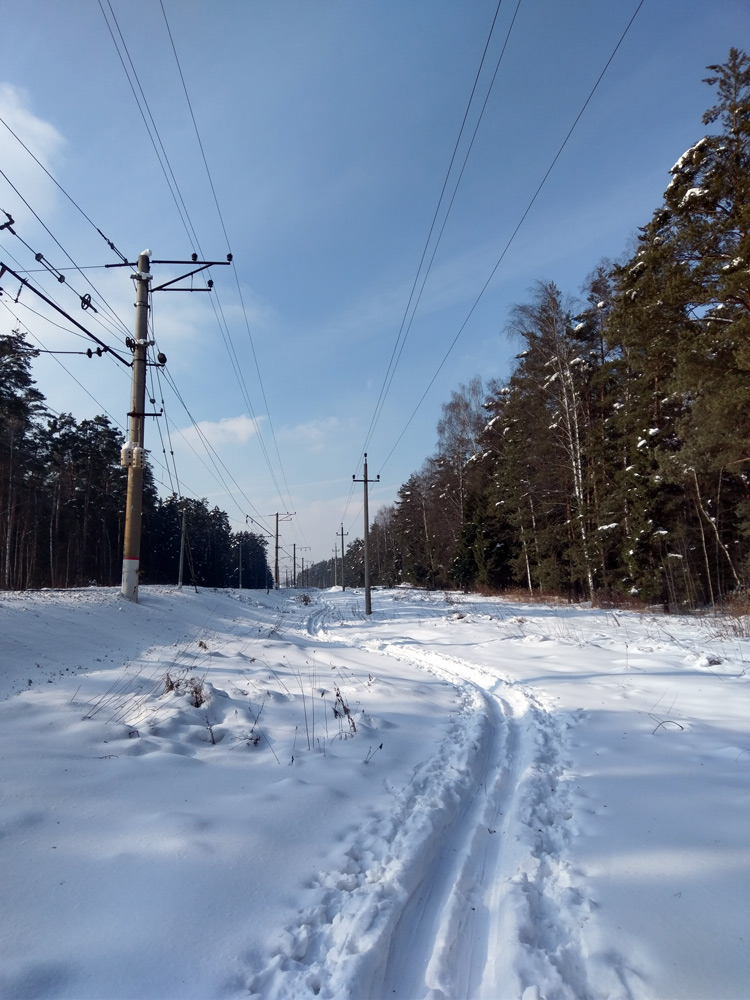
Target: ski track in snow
(471, 855)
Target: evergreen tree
(21, 406)
(682, 319)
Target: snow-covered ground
(459, 797)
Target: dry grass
(731, 619)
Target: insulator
(162, 359)
(132, 456)
(126, 454)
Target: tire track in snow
(338, 945)
(434, 897)
(515, 884)
(439, 945)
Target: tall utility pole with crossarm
(368, 602)
(133, 454)
(343, 585)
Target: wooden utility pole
(368, 602)
(133, 454)
(343, 585)
(182, 545)
(283, 517)
(276, 559)
(304, 548)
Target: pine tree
(682, 321)
(21, 407)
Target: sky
(313, 141)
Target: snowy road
(458, 797)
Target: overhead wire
(30, 332)
(211, 452)
(404, 328)
(187, 223)
(50, 300)
(107, 309)
(115, 421)
(166, 170)
(174, 189)
(436, 245)
(412, 302)
(513, 235)
(54, 180)
(234, 269)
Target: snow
(454, 797)
(691, 194)
(688, 155)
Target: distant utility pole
(304, 548)
(343, 587)
(335, 564)
(133, 454)
(182, 546)
(282, 517)
(368, 602)
(294, 564)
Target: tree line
(62, 502)
(614, 461)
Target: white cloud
(314, 435)
(228, 430)
(42, 139)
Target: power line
(187, 223)
(406, 327)
(39, 163)
(55, 271)
(167, 171)
(239, 289)
(211, 451)
(103, 409)
(450, 206)
(515, 231)
(25, 282)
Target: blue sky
(328, 128)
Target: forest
(613, 462)
(612, 465)
(62, 502)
